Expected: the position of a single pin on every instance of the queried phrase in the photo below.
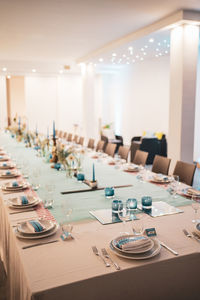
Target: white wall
(69, 103)
(137, 98)
(41, 96)
(53, 98)
(3, 103)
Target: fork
(96, 252)
(105, 253)
(193, 235)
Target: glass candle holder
(80, 177)
(146, 203)
(109, 192)
(131, 203)
(116, 206)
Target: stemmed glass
(68, 227)
(174, 185)
(195, 206)
(49, 196)
(35, 179)
(123, 214)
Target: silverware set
(105, 256)
(192, 235)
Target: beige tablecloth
(70, 270)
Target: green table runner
(82, 203)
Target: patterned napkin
(35, 226)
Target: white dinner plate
(160, 180)
(9, 185)
(149, 254)
(7, 166)
(39, 236)
(3, 158)
(15, 189)
(131, 238)
(32, 201)
(11, 175)
(46, 224)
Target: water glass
(195, 206)
(174, 185)
(123, 215)
(137, 227)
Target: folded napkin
(15, 184)
(35, 226)
(193, 192)
(8, 173)
(4, 164)
(24, 200)
(135, 244)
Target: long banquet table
(69, 269)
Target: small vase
(69, 172)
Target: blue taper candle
(93, 173)
(36, 130)
(54, 130)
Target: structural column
(183, 74)
(3, 103)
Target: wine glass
(68, 227)
(174, 185)
(123, 214)
(49, 187)
(195, 206)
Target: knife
(168, 248)
(40, 244)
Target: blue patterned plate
(123, 240)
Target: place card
(150, 231)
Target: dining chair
(100, 145)
(81, 140)
(91, 144)
(65, 135)
(69, 137)
(105, 139)
(161, 164)
(60, 134)
(140, 157)
(123, 152)
(75, 140)
(110, 149)
(185, 171)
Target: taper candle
(93, 173)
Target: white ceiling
(58, 32)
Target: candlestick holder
(92, 184)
